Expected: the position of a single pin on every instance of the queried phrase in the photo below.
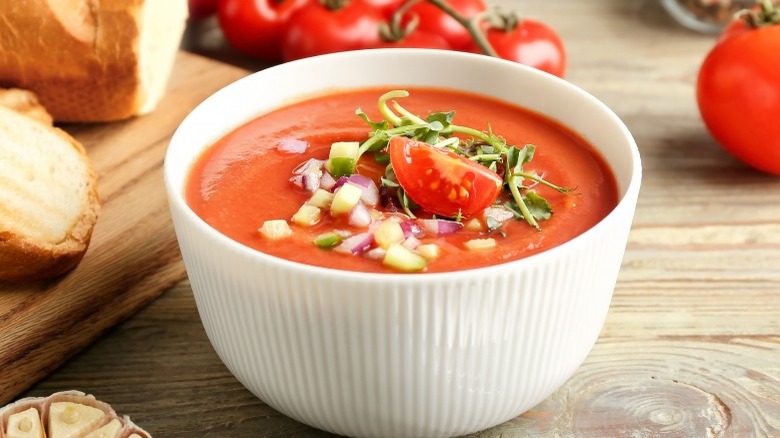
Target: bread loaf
(48, 197)
(90, 60)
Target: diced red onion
(308, 166)
(411, 242)
(370, 193)
(340, 182)
(292, 145)
(307, 174)
(297, 180)
(308, 181)
(361, 180)
(412, 229)
(311, 181)
(359, 216)
(326, 181)
(376, 253)
(499, 213)
(356, 244)
(438, 227)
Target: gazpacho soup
(390, 180)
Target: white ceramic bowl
(397, 355)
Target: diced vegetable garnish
(403, 259)
(477, 244)
(411, 228)
(293, 145)
(308, 175)
(307, 215)
(328, 240)
(345, 199)
(356, 244)
(342, 159)
(473, 224)
(321, 198)
(370, 195)
(360, 216)
(454, 177)
(411, 242)
(439, 227)
(275, 229)
(376, 253)
(310, 165)
(327, 181)
(430, 251)
(388, 233)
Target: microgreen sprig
(483, 147)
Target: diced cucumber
(347, 149)
(345, 199)
(307, 215)
(328, 240)
(342, 160)
(341, 166)
(388, 233)
(474, 224)
(429, 250)
(401, 258)
(321, 198)
(275, 229)
(477, 244)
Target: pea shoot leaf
(537, 205)
(376, 126)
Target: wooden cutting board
(133, 256)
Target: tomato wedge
(440, 181)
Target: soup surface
(248, 178)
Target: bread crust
(26, 259)
(80, 57)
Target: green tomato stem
(471, 25)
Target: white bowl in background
(391, 355)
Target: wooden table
(691, 346)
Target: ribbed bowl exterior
(383, 355)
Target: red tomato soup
(246, 179)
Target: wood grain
(691, 346)
(133, 256)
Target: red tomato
(200, 9)
(316, 29)
(531, 43)
(441, 181)
(386, 7)
(434, 20)
(738, 93)
(254, 27)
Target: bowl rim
(175, 194)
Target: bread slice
(48, 197)
(25, 102)
(91, 60)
